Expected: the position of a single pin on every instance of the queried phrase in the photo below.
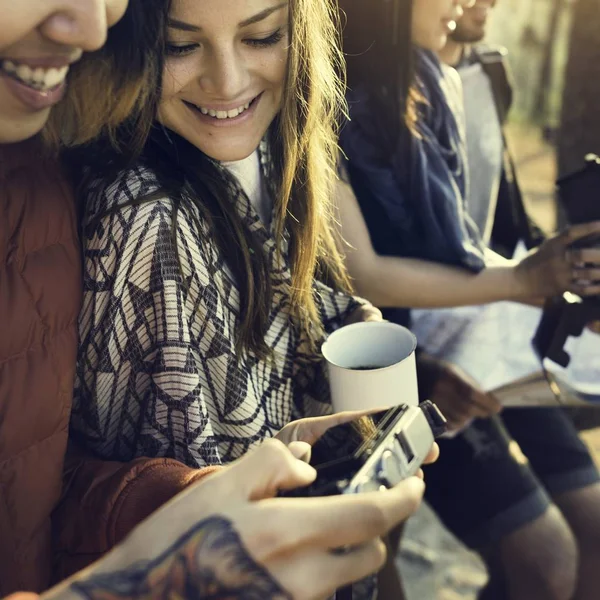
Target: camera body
(579, 193)
(350, 461)
(566, 316)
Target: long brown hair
(110, 96)
(380, 56)
(303, 145)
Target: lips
(30, 97)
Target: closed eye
(181, 50)
(270, 40)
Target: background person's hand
(364, 313)
(229, 535)
(455, 393)
(555, 267)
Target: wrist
(518, 284)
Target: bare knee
(581, 509)
(540, 560)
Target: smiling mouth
(39, 79)
(222, 115)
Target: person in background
(495, 201)
(496, 205)
(390, 268)
(407, 164)
(40, 296)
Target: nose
(467, 3)
(82, 23)
(225, 75)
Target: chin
(227, 149)
(434, 43)
(13, 131)
(229, 154)
(441, 44)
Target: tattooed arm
(209, 561)
(230, 537)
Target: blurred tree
(541, 107)
(580, 119)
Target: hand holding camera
(563, 263)
(374, 452)
(567, 315)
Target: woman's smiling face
(225, 73)
(39, 40)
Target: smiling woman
(202, 315)
(38, 44)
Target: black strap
(493, 62)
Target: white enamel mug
(371, 365)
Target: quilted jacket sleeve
(103, 501)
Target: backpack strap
(493, 60)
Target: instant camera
(374, 453)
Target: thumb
(301, 450)
(268, 469)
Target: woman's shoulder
(119, 193)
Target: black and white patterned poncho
(157, 374)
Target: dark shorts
(483, 488)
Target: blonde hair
(313, 106)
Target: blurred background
(554, 53)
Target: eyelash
(271, 40)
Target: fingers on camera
(577, 232)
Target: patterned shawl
(157, 372)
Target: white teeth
(24, 72)
(38, 78)
(224, 114)
(54, 76)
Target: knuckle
(374, 520)
(372, 559)
(276, 451)
(576, 255)
(378, 555)
(413, 502)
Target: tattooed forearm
(210, 562)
